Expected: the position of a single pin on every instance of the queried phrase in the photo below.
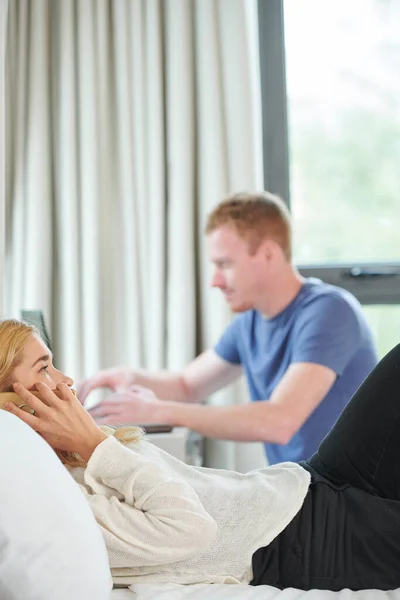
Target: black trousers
(347, 534)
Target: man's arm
(200, 378)
(297, 395)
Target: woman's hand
(62, 422)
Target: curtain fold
(128, 121)
(3, 28)
(181, 190)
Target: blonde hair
(255, 217)
(13, 338)
(125, 435)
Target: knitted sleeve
(155, 517)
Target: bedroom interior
(124, 122)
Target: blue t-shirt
(325, 325)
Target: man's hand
(114, 379)
(136, 404)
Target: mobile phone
(15, 399)
(18, 401)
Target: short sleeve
(50, 544)
(228, 345)
(328, 333)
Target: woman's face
(37, 365)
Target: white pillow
(50, 544)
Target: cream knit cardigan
(165, 521)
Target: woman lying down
(332, 522)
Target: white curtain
(3, 28)
(128, 121)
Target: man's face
(239, 274)
(37, 365)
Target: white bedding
(146, 591)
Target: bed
(146, 591)
(38, 498)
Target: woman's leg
(363, 447)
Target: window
(343, 90)
(331, 130)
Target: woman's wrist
(90, 444)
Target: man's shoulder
(319, 295)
